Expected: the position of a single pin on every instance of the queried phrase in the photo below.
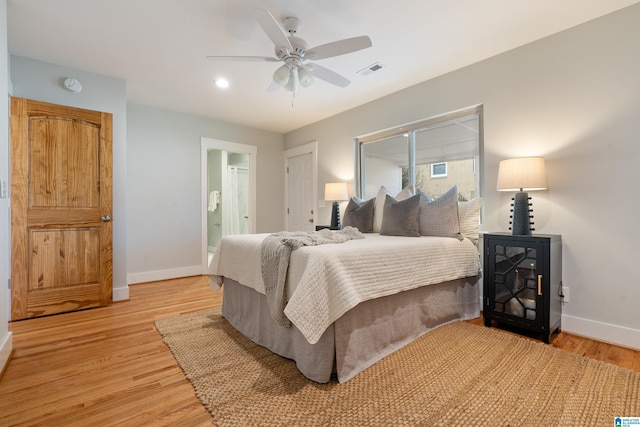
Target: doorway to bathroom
(228, 192)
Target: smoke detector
(72, 85)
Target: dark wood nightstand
(523, 282)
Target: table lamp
(335, 191)
(521, 175)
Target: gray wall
(156, 210)
(573, 98)
(163, 214)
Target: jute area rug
(456, 375)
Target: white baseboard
(120, 294)
(605, 332)
(154, 276)
(6, 346)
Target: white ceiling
(160, 46)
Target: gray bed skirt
(362, 336)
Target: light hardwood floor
(109, 366)
(105, 366)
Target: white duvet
(326, 281)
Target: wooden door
(61, 192)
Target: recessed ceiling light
(222, 83)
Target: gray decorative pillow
(378, 211)
(439, 217)
(400, 218)
(359, 214)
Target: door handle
(106, 218)
(539, 284)
(310, 219)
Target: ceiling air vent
(370, 69)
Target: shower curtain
(234, 201)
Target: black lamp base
(335, 216)
(521, 215)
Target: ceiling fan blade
(328, 76)
(339, 47)
(271, 27)
(243, 58)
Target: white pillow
(469, 216)
(380, 198)
(406, 192)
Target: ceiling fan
(294, 53)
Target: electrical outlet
(565, 292)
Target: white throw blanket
(275, 254)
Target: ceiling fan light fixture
(305, 77)
(281, 75)
(292, 84)
(293, 51)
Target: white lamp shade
(305, 77)
(336, 191)
(281, 75)
(522, 174)
(292, 84)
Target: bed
(349, 304)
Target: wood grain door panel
(63, 165)
(63, 258)
(61, 197)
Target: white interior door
(301, 189)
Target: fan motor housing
(292, 24)
(299, 49)
(299, 46)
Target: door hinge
(287, 211)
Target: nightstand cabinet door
(523, 282)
